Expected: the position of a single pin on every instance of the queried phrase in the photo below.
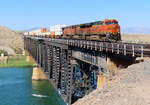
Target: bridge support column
(69, 76)
(111, 67)
(63, 71)
(28, 57)
(38, 74)
(58, 69)
(50, 60)
(100, 81)
(111, 71)
(54, 65)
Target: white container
(57, 29)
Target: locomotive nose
(115, 28)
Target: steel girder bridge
(73, 66)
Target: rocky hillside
(12, 39)
(130, 87)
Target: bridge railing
(118, 48)
(127, 49)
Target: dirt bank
(130, 86)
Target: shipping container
(57, 29)
(43, 30)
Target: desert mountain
(136, 30)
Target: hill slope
(130, 87)
(11, 39)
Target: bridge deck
(127, 49)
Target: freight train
(106, 30)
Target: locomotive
(106, 30)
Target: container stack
(53, 32)
(57, 29)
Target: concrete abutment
(114, 64)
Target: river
(17, 88)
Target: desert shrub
(4, 52)
(18, 50)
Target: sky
(27, 14)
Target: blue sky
(26, 14)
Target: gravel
(130, 86)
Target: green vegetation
(3, 52)
(18, 50)
(18, 61)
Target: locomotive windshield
(114, 22)
(108, 23)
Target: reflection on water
(17, 88)
(44, 92)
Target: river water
(17, 88)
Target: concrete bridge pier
(37, 74)
(111, 71)
(100, 81)
(111, 67)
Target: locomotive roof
(88, 24)
(84, 24)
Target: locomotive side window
(107, 23)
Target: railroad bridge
(76, 67)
